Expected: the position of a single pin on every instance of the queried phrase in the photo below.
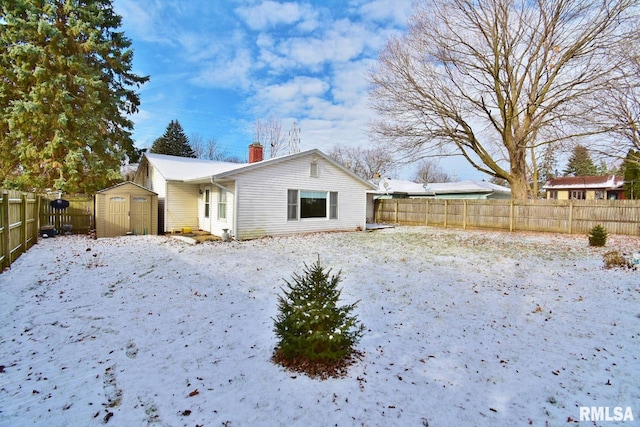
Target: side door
(140, 217)
(117, 217)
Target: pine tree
(173, 142)
(66, 88)
(315, 335)
(631, 171)
(580, 163)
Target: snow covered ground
(467, 328)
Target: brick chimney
(255, 152)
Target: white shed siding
(181, 207)
(262, 198)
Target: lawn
(468, 328)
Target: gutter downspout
(235, 204)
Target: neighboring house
(398, 189)
(296, 193)
(388, 188)
(585, 188)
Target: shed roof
(104, 190)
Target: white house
(396, 188)
(296, 193)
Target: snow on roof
(389, 185)
(174, 168)
(583, 182)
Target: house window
(207, 202)
(577, 194)
(333, 205)
(553, 194)
(292, 204)
(313, 204)
(313, 169)
(222, 204)
(599, 194)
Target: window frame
(207, 203)
(292, 204)
(222, 204)
(296, 199)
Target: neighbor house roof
(584, 182)
(389, 186)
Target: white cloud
(396, 11)
(270, 14)
(227, 71)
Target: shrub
(315, 335)
(598, 236)
(614, 259)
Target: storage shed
(124, 209)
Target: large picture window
(312, 204)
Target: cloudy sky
(218, 65)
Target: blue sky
(218, 65)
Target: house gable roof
(175, 168)
(246, 167)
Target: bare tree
(622, 103)
(364, 162)
(269, 133)
(209, 149)
(496, 80)
(430, 171)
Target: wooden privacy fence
(79, 215)
(23, 214)
(557, 216)
(18, 224)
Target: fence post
(426, 214)
(464, 215)
(511, 213)
(396, 211)
(446, 205)
(570, 217)
(6, 235)
(23, 220)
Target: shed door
(140, 214)
(117, 218)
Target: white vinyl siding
(181, 206)
(265, 207)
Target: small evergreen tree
(173, 142)
(315, 335)
(598, 236)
